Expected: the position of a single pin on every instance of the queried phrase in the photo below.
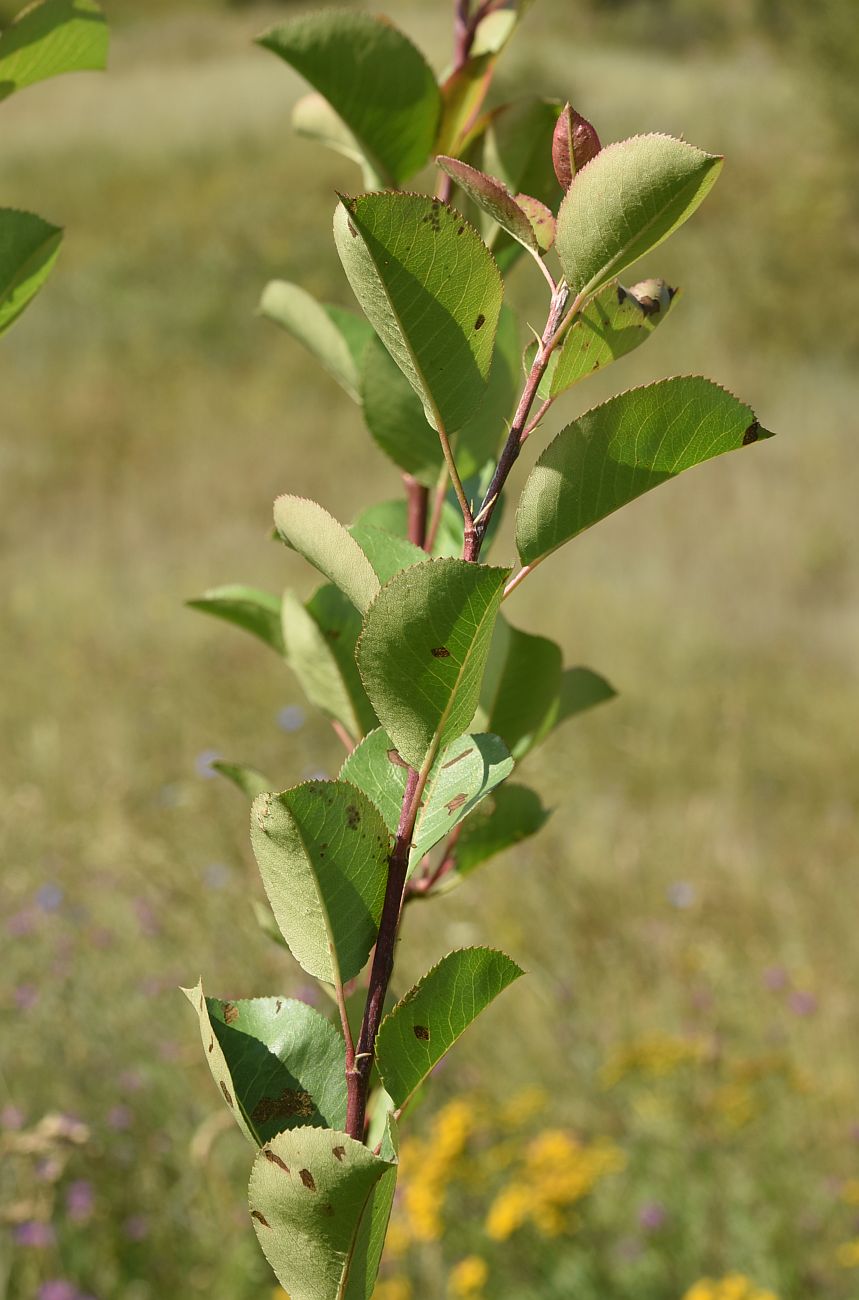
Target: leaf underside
(51, 38)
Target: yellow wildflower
(848, 1254)
(735, 1104)
(523, 1106)
(508, 1211)
(702, 1290)
(658, 1055)
(468, 1277)
(736, 1286)
(393, 1288)
(850, 1192)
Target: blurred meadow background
(668, 1106)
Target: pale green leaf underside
(625, 202)
(334, 337)
(322, 850)
(319, 643)
(375, 78)
(432, 292)
(257, 612)
(619, 450)
(464, 773)
(512, 814)
(249, 780)
(431, 1017)
(521, 686)
(314, 1195)
(392, 517)
(423, 650)
(278, 1064)
(613, 324)
(315, 119)
(51, 38)
(28, 249)
(324, 542)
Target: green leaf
(322, 850)
(495, 29)
(478, 440)
(278, 1063)
(309, 529)
(258, 612)
(512, 814)
(336, 338)
(423, 650)
(375, 78)
(319, 643)
(387, 554)
(392, 517)
(582, 689)
(625, 202)
(614, 323)
(541, 219)
(619, 450)
(463, 774)
(492, 197)
(517, 148)
(320, 1204)
(462, 95)
(247, 779)
(431, 291)
(50, 38)
(28, 249)
(315, 119)
(521, 687)
(428, 1020)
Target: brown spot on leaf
(225, 1090)
(353, 817)
(480, 322)
(339, 1153)
(212, 1045)
(277, 1006)
(307, 1178)
(460, 230)
(231, 1012)
(440, 652)
(752, 433)
(622, 295)
(422, 1033)
(275, 1159)
(328, 1210)
(458, 759)
(393, 757)
(352, 231)
(291, 1102)
(260, 1218)
(456, 802)
(650, 306)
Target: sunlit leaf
(493, 198)
(430, 289)
(387, 554)
(423, 650)
(422, 1027)
(309, 529)
(614, 323)
(619, 450)
(50, 38)
(322, 850)
(625, 202)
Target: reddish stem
(418, 505)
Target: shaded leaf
(392, 516)
(462, 95)
(28, 249)
(426, 1023)
(336, 338)
(541, 219)
(619, 450)
(492, 197)
(464, 773)
(517, 148)
(258, 612)
(512, 814)
(574, 144)
(320, 1203)
(375, 78)
(423, 650)
(521, 687)
(431, 291)
(247, 779)
(582, 689)
(309, 529)
(614, 323)
(627, 200)
(278, 1064)
(394, 415)
(313, 118)
(387, 554)
(319, 643)
(50, 38)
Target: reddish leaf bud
(575, 143)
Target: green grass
(149, 419)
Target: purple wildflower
(11, 1119)
(26, 997)
(802, 1004)
(119, 1118)
(49, 898)
(58, 1289)
(291, 718)
(136, 1228)
(652, 1216)
(34, 1233)
(775, 979)
(80, 1200)
(203, 763)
